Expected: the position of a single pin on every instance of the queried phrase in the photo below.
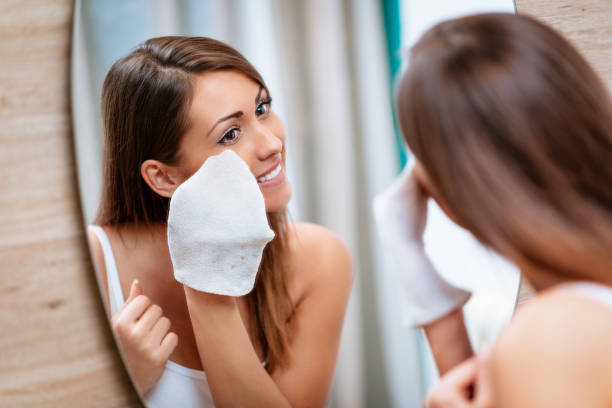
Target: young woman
(168, 106)
(512, 132)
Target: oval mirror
(329, 66)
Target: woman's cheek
(277, 127)
(244, 152)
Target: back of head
(514, 129)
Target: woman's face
(229, 110)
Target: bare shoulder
(318, 256)
(97, 255)
(555, 352)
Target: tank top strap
(594, 291)
(112, 276)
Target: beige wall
(585, 22)
(56, 347)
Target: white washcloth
(217, 227)
(400, 213)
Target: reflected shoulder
(97, 256)
(320, 253)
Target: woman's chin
(279, 200)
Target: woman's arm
(235, 375)
(555, 353)
(428, 300)
(448, 340)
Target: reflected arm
(235, 375)
(448, 340)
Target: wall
(585, 22)
(56, 347)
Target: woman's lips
(275, 176)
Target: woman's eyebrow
(236, 114)
(223, 119)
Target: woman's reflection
(168, 106)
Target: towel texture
(218, 228)
(400, 213)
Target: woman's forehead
(219, 93)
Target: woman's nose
(267, 143)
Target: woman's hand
(144, 336)
(466, 386)
(400, 213)
(218, 227)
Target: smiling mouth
(271, 174)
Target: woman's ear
(162, 179)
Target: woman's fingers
(484, 383)
(148, 319)
(135, 290)
(161, 341)
(168, 344)
(143, 334)
(159, 330)
(464, 374)
(133, 311)
(454, 389)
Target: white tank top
(178, 386)
(593, 291)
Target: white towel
(400, 213)
(217, 227)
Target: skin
(556, 351)
(466, 386)
(140, 328)
(215, 332)
(448, 340)
(549, 355)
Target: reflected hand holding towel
(218, 228)
(400, 213)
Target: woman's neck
(146, 249)
(542, 278)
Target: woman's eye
(263, 107)
(229, 137)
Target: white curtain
(340, 122)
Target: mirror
(328, 67)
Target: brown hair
(145, 102)
(514, 130)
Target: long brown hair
(145, 102)
(514, 130)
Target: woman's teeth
(270, 175)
